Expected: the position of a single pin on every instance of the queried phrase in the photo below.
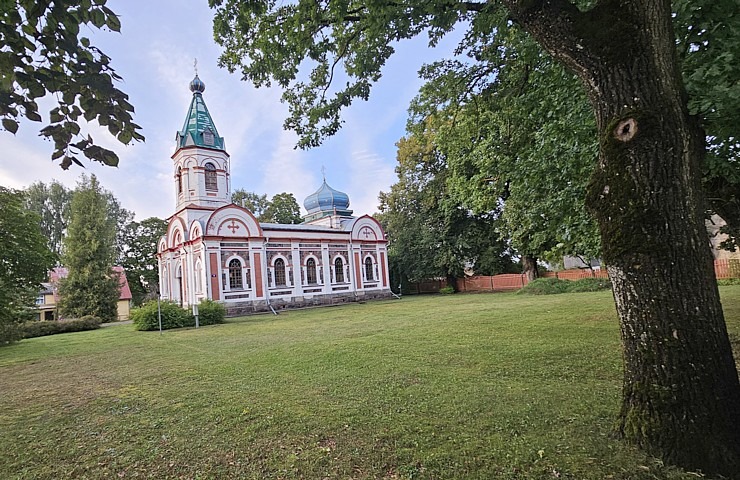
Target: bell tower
(201, 164)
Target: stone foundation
(239, 309)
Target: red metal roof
(61, 272)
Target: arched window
(311, 271)
(279, 272)
(235, 274)
(211, 178)
(369, 268)
(179, 180)
(339, 270)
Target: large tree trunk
(681, 396)
(529, 267)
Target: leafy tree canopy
(430, 234)
(45, 54)
(257, 204)
(51, 203)
(139, 256)
(521, 140)
(281, 208)
(24, 260)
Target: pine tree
(91, 288)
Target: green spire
(199, 129)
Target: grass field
(436, 387)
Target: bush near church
(211, 313)
(173, 316)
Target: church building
(214, 249)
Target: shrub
(43, 328)
(9, 332)
(551, 286)
(173, 316)
(728, 281)
(210, 312)
(447, 290)
(590, 285)
(545, 286)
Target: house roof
(61, 272)
(125, 289)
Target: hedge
(43, 328)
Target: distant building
(47, 302)
(714, 224)
(214, 249)
(578, 262)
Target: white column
(296, 261)
(326, 263)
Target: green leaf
(10, 125)
(97, 17)
(33, 116)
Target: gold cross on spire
(195, 66)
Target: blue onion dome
(197, 85)
(326, 199)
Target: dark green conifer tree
(91, 288)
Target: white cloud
(370, 174)
(286, 171)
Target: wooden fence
(725, 268)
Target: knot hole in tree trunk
(626, 130)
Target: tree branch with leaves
(45, 55)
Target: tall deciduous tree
(120, 218)
(257, 204)
(430, 233)
(681, 396)
(45, 54)
(24, 262)
(521, 140)
(51, 202)
(283, 208)
(91, 287)
(139, 257)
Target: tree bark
(529, 268)
(681, 396)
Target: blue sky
(154, 54)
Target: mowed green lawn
(437, 387)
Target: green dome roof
(199, 129)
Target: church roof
(326, 199)
(199, 129)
